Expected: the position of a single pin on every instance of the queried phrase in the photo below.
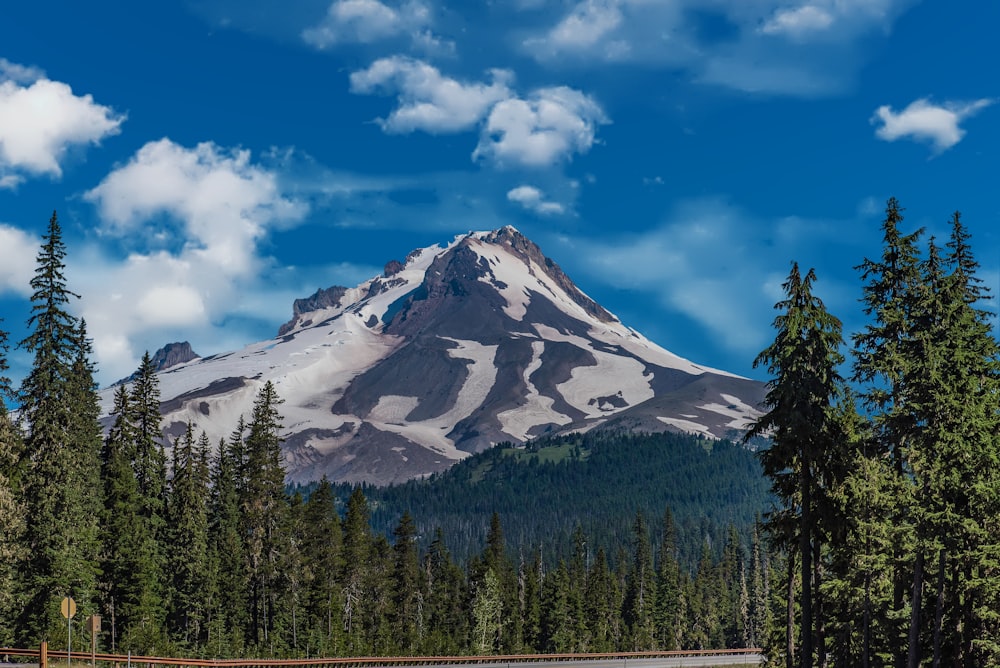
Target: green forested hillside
(598, 482)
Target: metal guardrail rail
(42, 655)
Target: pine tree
(128, 579)
(447, 615)
(641, 591)
(882, 355)
(321, 545)
(407, 623)
(188, 533)
(11, 513)
(666, 606)
(61, 558)
(265, 509)
(357, 549)
(226, 547)
(804, 429)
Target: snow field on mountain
(611, 374)
(686, 425)
(432, 433)
(537, 409)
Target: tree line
(886, 463)
(204, 551)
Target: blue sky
(211, 161)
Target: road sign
(94, 624)
(68, 607)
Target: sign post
(68, 609)
(94, 627)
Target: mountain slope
(456, 349)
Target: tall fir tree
(61, 541)
(228, 588)
(265, 510)
(881, 359)
(321, 545)
(128, 583)
(187, 526)
(11, 512)
(805, 432)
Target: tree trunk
(866, 647)
(821, 658)
(790, 619)
(913, 656)
(805, 548)
(939, 609)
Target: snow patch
(687, 425)
(537, 408)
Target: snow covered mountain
(455, 349)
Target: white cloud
(586, 24)
(428, 100)
(798, 22)
(195, 219)
(25, 74)
(803, 48)
(548, 126)
(40, 121)
(533, 199)
(17, 260)
(369, 21)
(923, 120)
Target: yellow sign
(68, 607)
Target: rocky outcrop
(320, 299)
(173, 354)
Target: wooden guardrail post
(43, 655)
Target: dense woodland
(210, 554)
(882, 547)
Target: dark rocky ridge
(318, 300)
(173, 354)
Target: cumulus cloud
(533, 199)
(194, 219)
(40, 120)
(428, 100)
(549, 125)
(923, 120)
(17, 260)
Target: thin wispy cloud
(925, 121)
(767, 47)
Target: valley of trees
(206, 552)
(881, 547)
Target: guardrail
(43, 655)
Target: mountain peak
(459, 347)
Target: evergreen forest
(866, 532)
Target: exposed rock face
(173, 354)
(320, 299)
(482, 341)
